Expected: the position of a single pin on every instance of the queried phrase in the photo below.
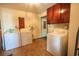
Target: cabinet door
(49, 15)
(65, 12)
(56, 16)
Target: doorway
(43, 26)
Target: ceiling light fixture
(62, 11)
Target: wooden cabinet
(56, 16)
(59, 13)
(66, 12)
(49, 15)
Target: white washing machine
(57, 43)
(26, 37)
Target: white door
(43, 26)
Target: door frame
(41, 24)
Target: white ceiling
(37, 7)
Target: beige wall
(74, 24)
(43, 14)
(34, 20)
(31, 19)
(51, 27)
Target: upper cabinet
(56, 15)
(65, 12)
(59, 13)
(49, 14)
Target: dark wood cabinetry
(65, 16)
(56, 16)
(49, 14)
(59, 13)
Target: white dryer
(57, 42)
